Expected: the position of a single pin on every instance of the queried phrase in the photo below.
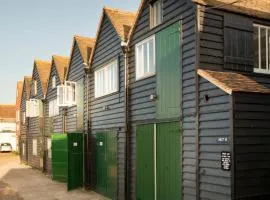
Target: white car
(5, 147)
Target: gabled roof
(61, 64)
(136, 19)
(43, 69)
(231, 82)
(7, 111)
(19, 94)
(27, 85)
(122, 22)
(85, 45)
(256, 8)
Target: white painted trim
(263, 71)
(138, 74)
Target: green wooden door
(59, 157)
(106, 163)
(158, 161)
(168, 72)
(168, 161)
(145, 162)
(75, 160)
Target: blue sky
(37, 29)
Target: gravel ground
(20, 182)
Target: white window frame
(23, 117)
(110, 82)
(53, 108)
(49, 147)
(140, 74)
(66, 93)
(155, 10)
(33, 108)
(34, 150)
(34, 87)
(260, 69)
(23, 148)
(53, 82)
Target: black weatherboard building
(24, 119)
(35, 113)
(53, 118)
(106, 89)
(198, 100)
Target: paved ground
(20, 182)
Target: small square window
(53, 82)
(155, 13)
(34, 152)
(53, 108)
(34, 87)
(145, 58)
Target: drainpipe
(64, 124)
(87, 147)
(125, 50)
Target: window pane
(151, 56)
(263, 48)
(158, 12)
(139, 61)
(256, 47)
(145, 58)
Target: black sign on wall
(225, 161)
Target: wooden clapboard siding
(214, 122)
(108, 48)
(252, 145)
(75, 73)
(35, 126)
(24, 127)
(143, 110)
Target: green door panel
(168, 72)
(59, 157)
(112, 165)
(168, 161)
(106, 163)
(101, 163)
(75, 160)
(145, 162)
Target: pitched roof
(122, 22)
(256, 8)
(27, 84)
(233, 81)
(136, 19)
(61, 64)
(43, 69)
(7, 111)
(85, 45)
(19, 93)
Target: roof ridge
(106, 8)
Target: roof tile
(7, 111)
(256, 8)
(233, 81)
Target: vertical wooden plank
(145, 162)
(168, 72)
(168, 161)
